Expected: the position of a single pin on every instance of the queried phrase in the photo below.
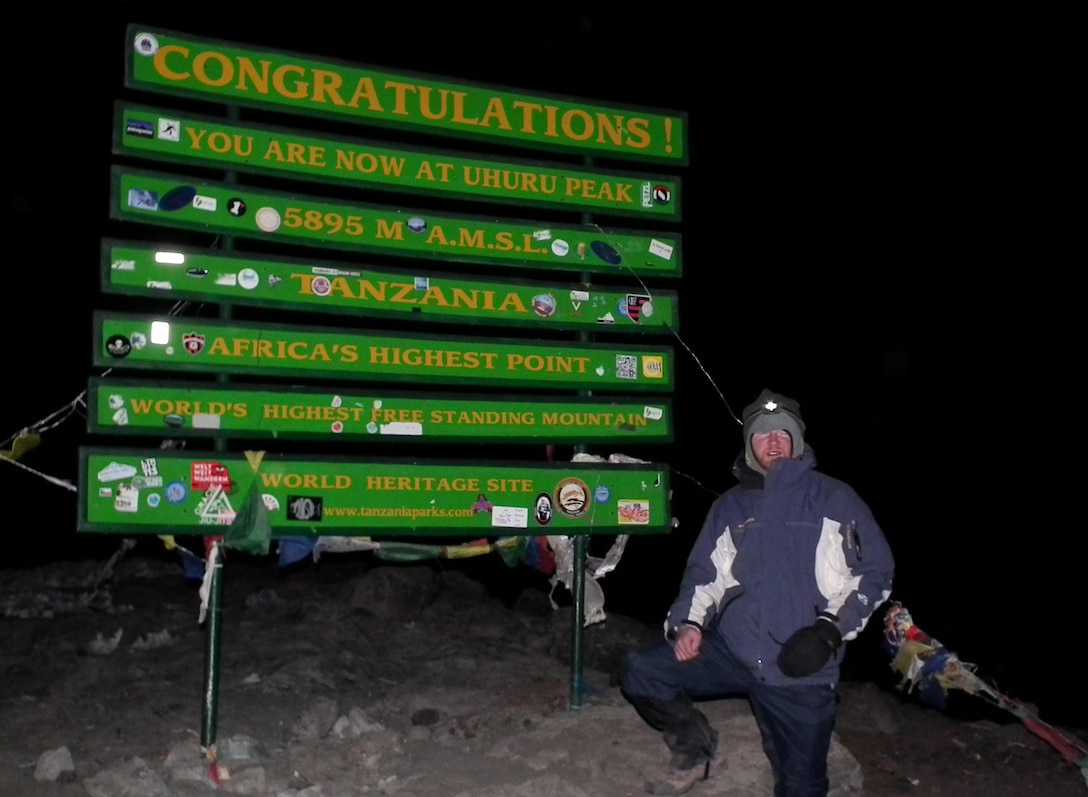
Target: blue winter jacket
(773, 554)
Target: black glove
(809, 649)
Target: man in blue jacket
(788, 565)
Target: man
(788, 564)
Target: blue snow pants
(795, 722)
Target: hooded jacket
(775, 552)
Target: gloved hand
(809, 649)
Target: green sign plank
(125, 491)
(174, 63)
(195, 204)
(322, 286)
(195, 344)
(206, 141)
(261, 411)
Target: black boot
(686, 730)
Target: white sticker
(579, 296)
(560, 248)
(115, 471)
(542, 235)
(127, 500)
(169, 129)
(121, 417)
(229, 280)
(652, 413)
(403, 428)
(145, 44)
(510, 517)
(268, 219)
(205, 202)
(123, 265)
(249, 278)
(116, 401)
(160, 285)
(661, 249)
(206, 420)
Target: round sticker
(176, 492)
(139, 340)
(601, 494)
(145, 44)
(268, 219)
(321, 286)
(249, 278)
(118, 346)
(560, 248)
(116, 402)
(572, 497)
(337, 427)
(153, 500)
(417, 224)
(174, 420)
(662, 194)
(544, 305)
(236, 207)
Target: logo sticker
(169, 129)
(601, 494)
(142, 199)
(661, 249)
(482, 505)
(145, 44)
(127, 500)
(150, 467)
(662, 194)
(321, 286)
(304, 507)
(214, 508)
(560, 248)
(115, 471)
(572, 497)
(417, 224)
(638, 306)
(177, 198)
(153, 500)
(206, 475)
(193, 342)
(271, 503)
(249, 279)
(176, 492)
(236, 207)
(544, 305)
(606, 253)
(543, 510)
(205, 202)
(139, 340)
(135, 127)
(653, 367)
(633, 512)
(118, 346)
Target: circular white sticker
(145, 44)
(249, 278)
(560, 247)
(268, 219)
(647, 309)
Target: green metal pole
(213, 635)
(214, 638)
(581, 545)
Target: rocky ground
(353, 677)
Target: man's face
(771, 447)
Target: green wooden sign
(125, 491)
(194, 204)
(282, 412)
(194, 345)
(206, 141)
(322, 286)
(174, 63)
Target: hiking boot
(674, 780)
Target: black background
(884, 221)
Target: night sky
(879, 220)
